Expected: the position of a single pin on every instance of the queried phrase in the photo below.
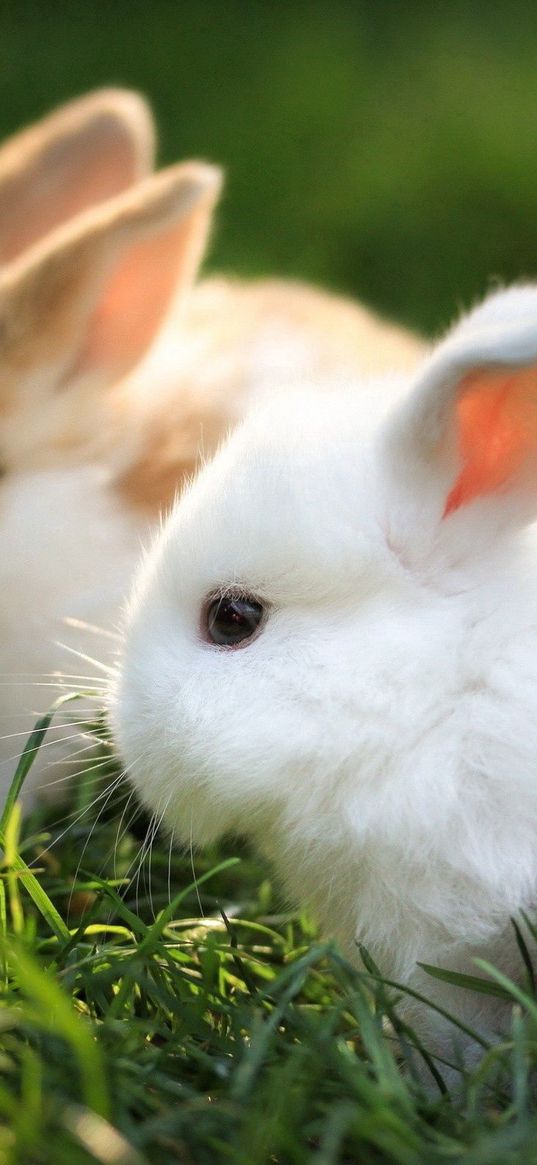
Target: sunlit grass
(178, 1012)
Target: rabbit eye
(231, 619)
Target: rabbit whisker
(81, 625)
(123, 829)
(193, 868)
(49, 728)
(109, 793)
(170, 851)
(153, 839)
(41, 747)
(56, 674)
(76, 817)
(82, 655)
(70, 776)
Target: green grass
(167, 1010)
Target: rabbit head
(80, 155)
(331, 649)
(95, 436)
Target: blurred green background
(384, 149)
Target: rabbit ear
(82, 308)
(469, 430)
(85, 152)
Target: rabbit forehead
(287, 502)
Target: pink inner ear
(497, 430)
(134, 303)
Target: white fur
(63, 523)
(378, 739)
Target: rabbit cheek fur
(378, 738)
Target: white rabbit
(332, 649)
(92, 455)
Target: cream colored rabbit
(77, 312)
(94, 440)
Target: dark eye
(231, 619)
